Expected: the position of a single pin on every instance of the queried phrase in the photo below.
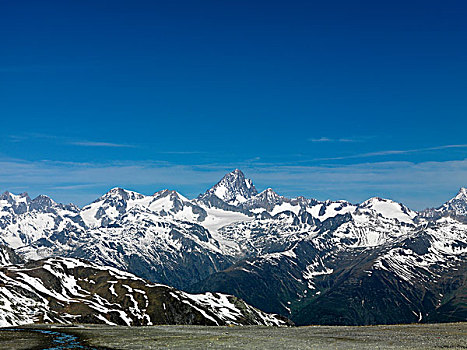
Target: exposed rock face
(8, 256)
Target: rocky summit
(315, 262)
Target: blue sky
(335, 99)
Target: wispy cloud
(100, 144)
(34, 135)
(418, 185)
(327, 139)
(182, 152)
(66, 140)
(73, 187)
(394, 152)
(16, 138)
(321, 139)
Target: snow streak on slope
(70, 290)
(438, 247)
(328, 209)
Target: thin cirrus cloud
(394, 152)
(327, 139)
(67, 140)
(417, 185)
(182, 152)
(100, 144)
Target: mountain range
(315, 262)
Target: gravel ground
(433, 336)
(14, 340)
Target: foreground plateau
(428, 336)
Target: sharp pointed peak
(166, 192)
(462, 194)
(269, 192)
(237, 172)
(116, 189)
(456, 206)
(233, 188)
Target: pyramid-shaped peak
(462, 194)
(42, 198)
(269, 193)
(234, 188)
(44, 203)
(164, 192)
(456, 206)
(169, 193)
(235, 175)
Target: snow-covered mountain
(156, 246)
(232, 190)
(70, 290)
(456, 208)
(283, 255)
(24, 220)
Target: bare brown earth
(427, 336)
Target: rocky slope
(8, 256)
(71, 290)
